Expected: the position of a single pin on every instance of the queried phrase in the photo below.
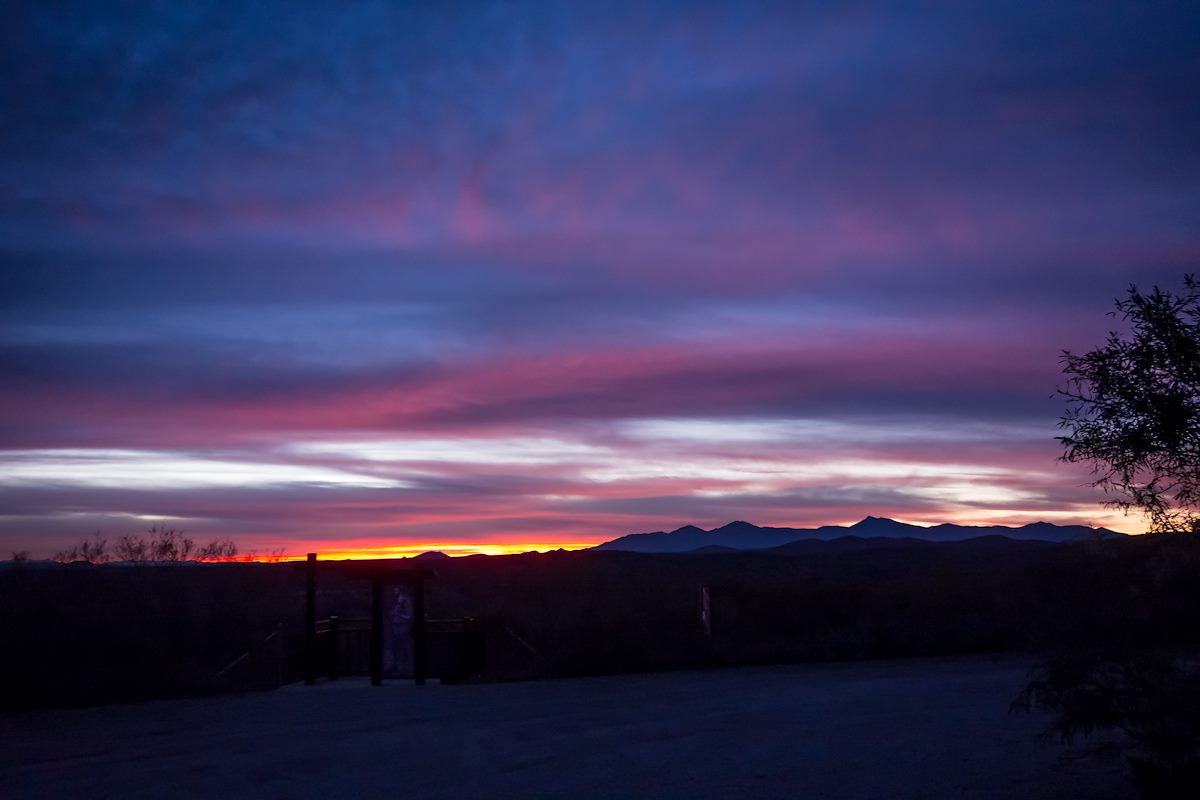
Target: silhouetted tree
(1133, 414)
(1133, 408)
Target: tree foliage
(1133, 408)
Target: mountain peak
(689, 529)
(737, 525)
(878, 522)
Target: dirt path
(903, 729)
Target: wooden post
(310, 620)
(334, 647)
(419, 631)
(376, 631)
(281, 675)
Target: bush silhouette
(1152, 699)
(159, 544)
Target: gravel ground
(896, 729)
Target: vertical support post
(310, 620)
(335, 648)
(376, 632)
(281, 675)
(419, 630)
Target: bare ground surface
(896, 729)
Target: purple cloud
(846, 242)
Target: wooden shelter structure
(401, 582)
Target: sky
(387, 277)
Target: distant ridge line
(742, 535)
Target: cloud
(555, 269)
(132, 469)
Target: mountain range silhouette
(742, 535)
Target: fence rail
(454, 647)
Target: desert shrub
(132, 548)
(1149, 700)
(218, 549)
(93, 551)
(169, 545)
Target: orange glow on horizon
(374, 549)
(343, 551)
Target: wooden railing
(344, 646)
(454, 647)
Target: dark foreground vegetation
(92, 634)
